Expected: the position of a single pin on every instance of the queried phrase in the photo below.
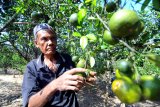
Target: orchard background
(19, 17)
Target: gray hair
(42, 26)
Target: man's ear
(35, 43)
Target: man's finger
(76, 70)
(92, 73)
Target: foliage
(155, 4)
(99, 55)
(10, 59)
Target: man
(50, 80)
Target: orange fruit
(150, 87)
(107, 37)
(123, 23)
(126, 90)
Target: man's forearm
(41, 98)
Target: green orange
(36, 15)
(124, 22)
(73, 19)
(75, 58)
(125, 67)
(125, 89)
(81, 63)
(108, 37)
(150, 87)
(111, 6)
(154, 58)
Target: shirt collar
(40, 60)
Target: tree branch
(130, 48)
(25, 23)
(9, 21)
(18, 51)
(102, 22)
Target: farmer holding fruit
(50, 80)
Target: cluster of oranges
(131, 88)
(123, 24)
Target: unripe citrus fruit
(107, 36)
(150, 87)
(126, 90)
(154, 58)
(125, 67)
(111, 6)
(36, 15)
(73, 19)
(81, 63)
(123, 23)
(75, 58)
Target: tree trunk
(5, 70)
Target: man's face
(46, 41)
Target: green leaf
(103, 47)
(156, 4)
(145, 4)
(83, 42)
(92, 61)
(76, 34)
(88, 1)
(91, 37)
(94, 2)
(81, 15)
(138, 1)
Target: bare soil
(99, 95)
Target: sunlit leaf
(91, 37)
(83, 42)
(92, 61)
(81, 15)
(94, 2)
(103, 47)
(76, 34)
(88, 1)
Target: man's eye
(45, 39)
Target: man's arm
(67, 81)
(41, 98)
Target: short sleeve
(29, 84)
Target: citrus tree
(100, 35)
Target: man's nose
(50, 42)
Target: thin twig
(8, 22)
(102, 22)
(125, 44)
(24, 23)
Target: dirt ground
(99, 95)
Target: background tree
(19, 18)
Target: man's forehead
(45, 32)
(43, 27)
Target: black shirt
(38, 75)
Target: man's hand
(69, 81)
(91, 78)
